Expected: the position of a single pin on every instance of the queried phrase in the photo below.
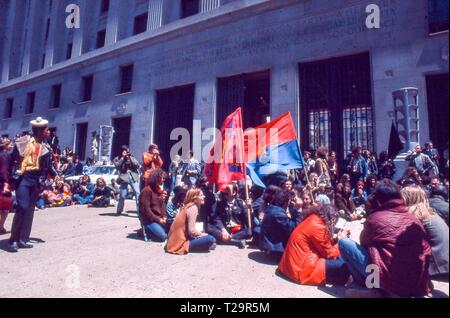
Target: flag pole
(306, 173)
(247, 196)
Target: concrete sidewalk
(89, 252)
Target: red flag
(226, 161)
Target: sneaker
(363, 293)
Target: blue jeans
(201, 244)
(156, 232)
(27, 193)
(336, 271)
(83, 199)
(357, 259)
(123, 191)
(173, 180)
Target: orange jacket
(150, 164)
(303, 260)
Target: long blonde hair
(416, 200)
(191, 196)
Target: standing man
(357, 167)
(191, 171)
(54, 141)
(421, 161)
(34, 156)
(310, 163)
(151, 161)
(128, 168)
(432, 152)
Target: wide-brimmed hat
(39, 122)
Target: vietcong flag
(226, 161)
(272, 147)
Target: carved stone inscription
(281, 37)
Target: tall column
(155, 14)
(284, 92)
(208, 5)
(112, 23)
(7, 39)
(52, 32)
(77, 45)
(125, 19)
(29, 38)
(3, 17)
(17, 41)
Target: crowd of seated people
(294, 219)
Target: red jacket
(304, 257)
(397, 244)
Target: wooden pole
(249, 207)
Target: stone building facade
(148, 66)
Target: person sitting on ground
(312, 256)
(229, 220)
(85, 192)
(262, 199)
(392, 240)
(152, 206)
(344, 202)
(204, 215)
(183, 237)
(70, 168)
(386, 166)
(371, 182)
(306, 198)
(345, 178)
(78, 165)
(175, 204)
(410, 176)
(88, 166)
(439, 201)
(102, 194)
(417, 203)
(277, 225)
(63, 196)
(287, 184)
(359, 196)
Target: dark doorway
(174, 108)
(336, 104)
(81, 139)
(122, 128)
(251, 92)
(437, 95)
